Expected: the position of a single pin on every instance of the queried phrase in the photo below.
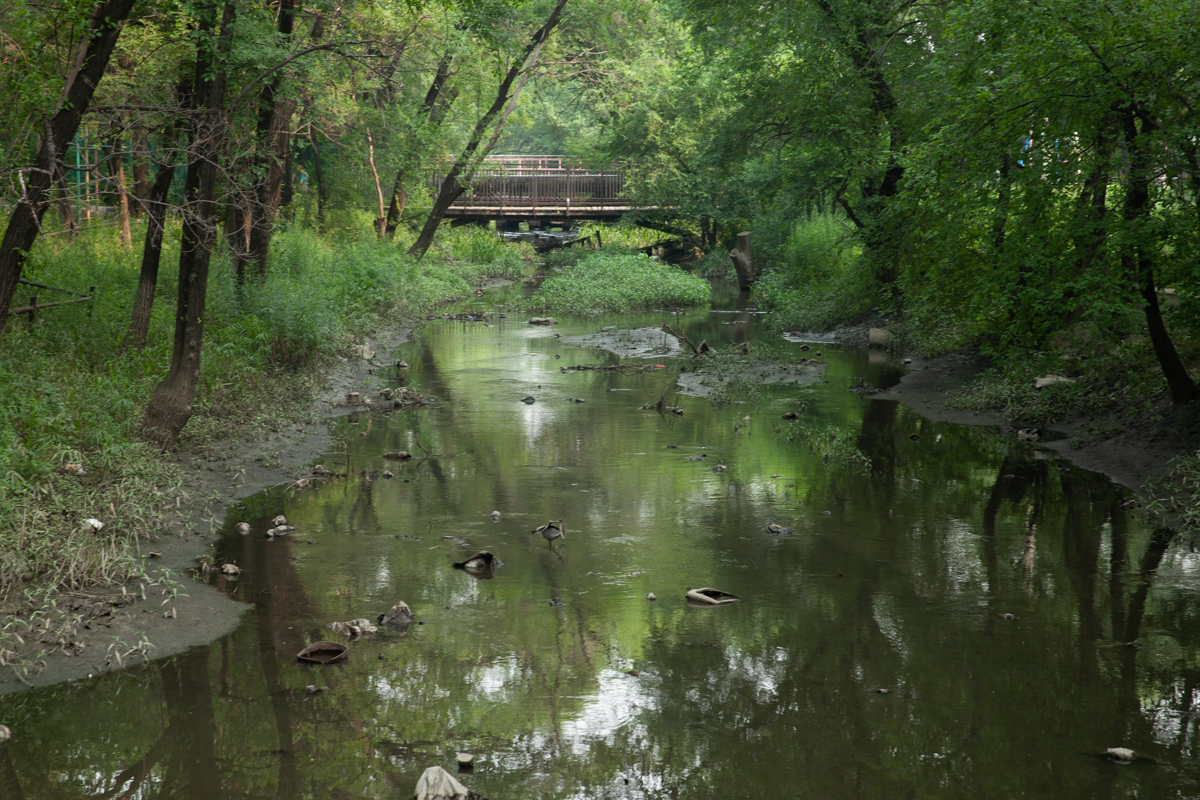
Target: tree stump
(742, 260)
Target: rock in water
(243, 527)
(528, 400)
(437, 784)
(651, 597)
(280, 520)
(400, 614)
(495, 515)
(1122, 755)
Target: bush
(607, 281)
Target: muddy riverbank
(183, 613)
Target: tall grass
(815, 277)
(70, 394)
(605, 280)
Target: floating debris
(401, 455)
(321, 471)
(552, 530)
(232, 570)
(355, 627)
(557, 601)
(698, 458)
(710, 597)
(528, 400)
(543, 321)
(387, 473)
(399, 614)
(324, 653)
(778, 530)
(437, 784)
(495, 516)
(482, 561)
(243, 527)
(1121, 755)
(720, 468)
(280, 520)
(651, 597)
(1007, 617)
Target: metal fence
(515, 181)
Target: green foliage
(617, 281)
(71, 394)
(833, 444)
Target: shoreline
(227, 472)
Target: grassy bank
(615, 279)
(72, 397)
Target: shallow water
(895, 578)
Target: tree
(91, 58)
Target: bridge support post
(742, 260)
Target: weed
(833, 444)
(607, 281)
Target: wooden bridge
(545, 191)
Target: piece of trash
(401, 455)
(575, 400)
(482, 561)
(777, 530)
(826, 513)
(73, 469)
(355, 627)
(1028, 434)
(153, 555)
(282, 530)
(324, 653)
(652, 597)
(557, 601)
(661, 366)
(608, 328)
(552, 530)
(232, 570)
(465, 761)
(710, 597)
(5, 733)
(312, 689)
(399, 614)
(280, 520)
(1007, 617)
(720, 468)
(387, 473)
(698, 458)
(528, 400)
(94, 524)
(633, 673)
(883, 691)
(1050, 380)
(321, 471)
(914, 436)
(243, 527)
(495, 515)
(543, 321)
(1121, 755)
(311, 541)
(437, 784)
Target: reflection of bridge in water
(544, 191)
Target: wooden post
(32, 308)
(742, 260)
(91, 300)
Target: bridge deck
(540, 187)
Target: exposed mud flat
(215, 478)
(637, 343)
(704, 384)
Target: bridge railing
(520, 181)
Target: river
(966, 616)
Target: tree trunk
(1138, 260)
(116, 173)
(429, 109)
(274, 127)
(24, 223)
(171, 405)
(319, 180)
(451, 188)
(155, 206)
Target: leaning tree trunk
(24, 223)
(155, 206)
(451, 188)
(274, 127)
(170, 407)
(1138, 262)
